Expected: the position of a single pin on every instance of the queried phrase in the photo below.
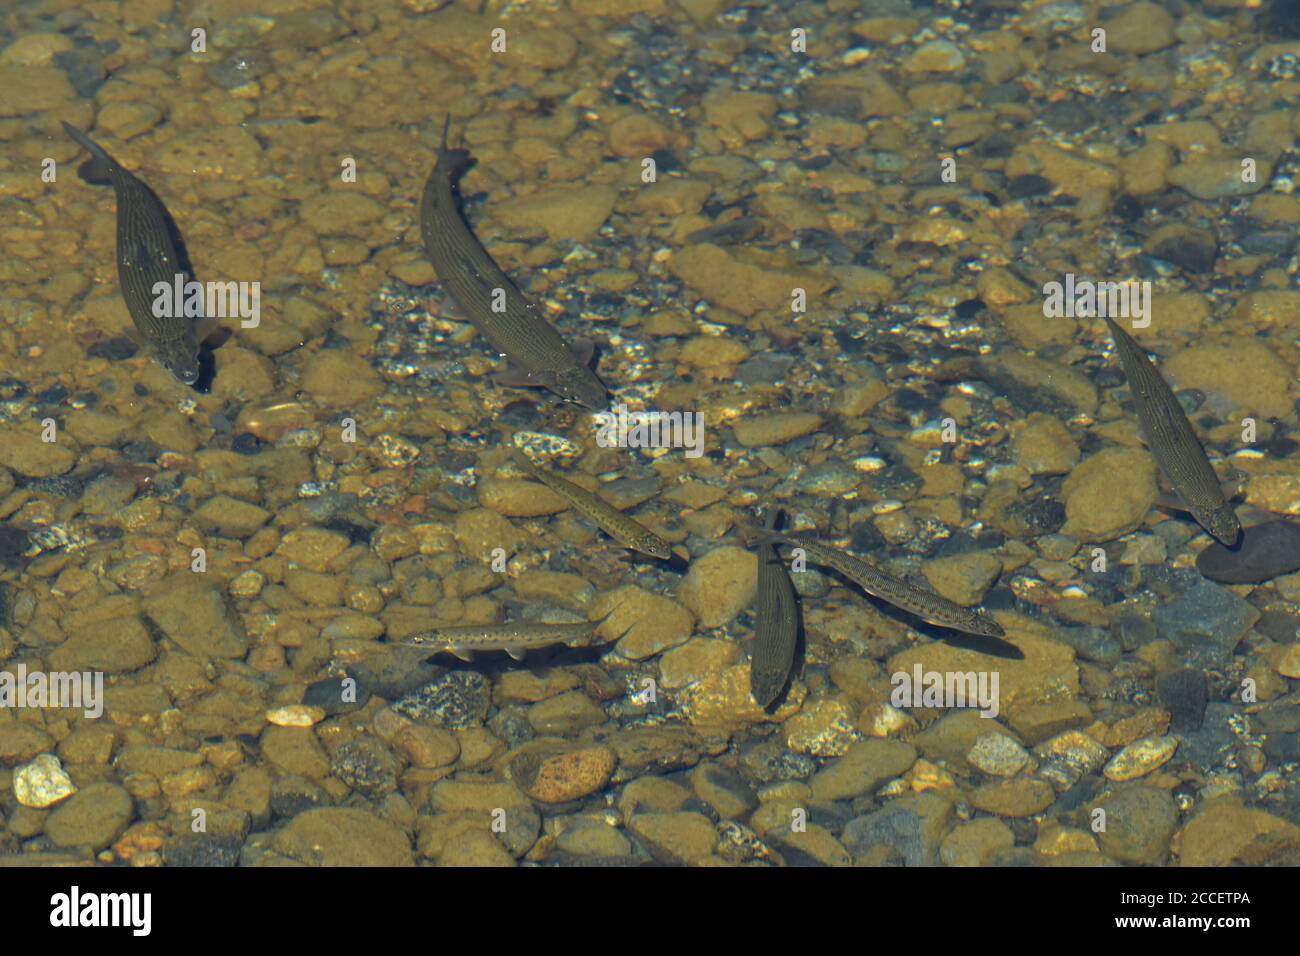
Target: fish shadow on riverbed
(992, 646)
(207, 370)
(491, 663)
(675, 563)
(208, 344)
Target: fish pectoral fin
(512, 376)
(463, 653)
(516, 653)
(1167, 501)
(1233, 487)
(94, 171)
(582, 348)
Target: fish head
(986, 626)
(1222, 523)
(181, 359)
(581, 385)
(654, 545)
(431, 642)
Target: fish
(146, 255)
(1173, 441)
(521, 332)
(627, 532)
(515, 638)
(926, 605)
(776, 624)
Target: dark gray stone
(1206, 622)
(1092, 643)
(1266, 551)
(328, 695)
(1184, 694)
(898, 828)
(1210, 745)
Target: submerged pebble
(863, 340)
(42, 783)
(1266, 551)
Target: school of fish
(149, 252)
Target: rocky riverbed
(860, 328)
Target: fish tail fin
(446, 125)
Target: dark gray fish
(1173, 442)
(776, 624)
(521, 332)
(146, 255)
(735, 232)
(515, 639)
(926, 605)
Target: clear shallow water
(839, 266)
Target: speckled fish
(926, 605)
(1173, 442)
(146, 255)
(515, 639)
(776, 624)
(520, 332)
(620, 527)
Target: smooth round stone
(1140, 758)
(1267, 551)
(295, 715)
